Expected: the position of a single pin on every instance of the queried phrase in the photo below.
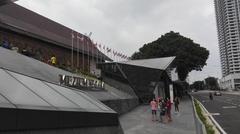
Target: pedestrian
(169, 107)
(176, 103)
(153, 105)
(162, 110)
(53, 60)
(210, 96)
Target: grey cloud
(126, 25)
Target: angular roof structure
(23, 21)
(156, 63)
(141, 75)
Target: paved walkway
(139, 121)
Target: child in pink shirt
(153, 105)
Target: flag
(82, 38)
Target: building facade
(43, 38)
(228, 26)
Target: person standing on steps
(53, 60)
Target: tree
(212, 83)
(189, 55)
(199, 85)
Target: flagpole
(83, 44)
(102, 54)
(88, 56)
(93, 52)
(77, 51)
(111, 54)
(72, 49)
(97, 52)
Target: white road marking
(215, 113)
(226, 107)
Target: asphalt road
(225, 109)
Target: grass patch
(209, 128)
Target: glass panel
(103, 107)
(5, 103)
(48, 94)
(76, 98)
(15, 92)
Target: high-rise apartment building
(228, 25)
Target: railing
(200, 127)
(218, 127)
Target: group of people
(161, 109)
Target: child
(153, 105)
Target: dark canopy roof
(3, 2)
(24, 21)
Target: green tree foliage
(212, 83)
(199, 85)
(189, 55)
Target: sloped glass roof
(27, 103)
(24, 92)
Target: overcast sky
(126, 25)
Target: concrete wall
(122, 106)
(126, 99)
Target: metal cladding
(144, 76)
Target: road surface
(225, 109)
